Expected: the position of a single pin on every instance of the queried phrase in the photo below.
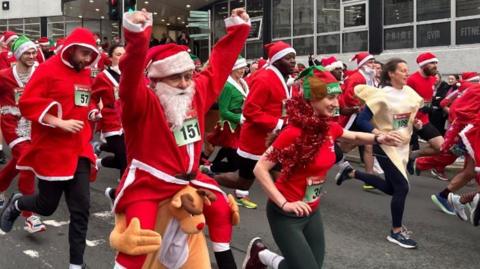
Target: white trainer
(33, 224)
(459, 208)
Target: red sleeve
(210, 81)
(348, 95)
(467, 105)
(253, 110)
(132, 91)
(34, 103)
(336, 130)
(286, 137)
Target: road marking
(2, 232)
(55, 223)
(103, 214)
(94, 243)
(31, 253)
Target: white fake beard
(176, 103)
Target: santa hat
(470, 76)
(9, 36)
(59, 45)
(240, 63)
(278, 50)
(331, 63)
(318, 82)
(426, 58)
(362, 58)
(43, 41)
(261, 63)
(21, 45)
(167, 60)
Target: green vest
(230, 103)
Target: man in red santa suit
(423, 82)
(350, 106)
(44, 51)
(6, 56)
(56, 100)
(263, 112)
(164, 157)
(16, 129)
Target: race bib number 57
(82, 95)
(189, 133)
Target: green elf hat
(194, 58)
(318, 83)
(240, 63)
(21, 45)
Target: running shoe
(402, 239)
(475, 212)
(205, 168)
(439, 175)
(3, 158)
(10, 213)
(252, 260)
(412, 168)
(367, 187)
(442, 203)
(342, 174)
(110, 194)
(246, 202)
(96, 147)
(33, 224)
(459, 208)
(3, 199)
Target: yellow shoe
(245, 202)
(367, 187)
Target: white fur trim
(82, 45)
(136, 27)
(279, 55)
(118, 266)
(11, 38)
(476, 78)
(175, 64)
(17, 141)
(110, 77)
(240, 63)
(477, 169)
(465, 140)
(334, 65)
(113, 133)
(427, 62)
(198, 183)
(236, 20)
(220, 247)
(48, 178)
(279, 125)
(368, 58)
(44, 44)
(59, 113)
(247, 155)
(10, 110)
(23, 48)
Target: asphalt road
(356, 225)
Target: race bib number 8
(189, 133)
(401, 120)
(82, 96)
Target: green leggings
(300, 239)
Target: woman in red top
(305, 150)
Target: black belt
(187, 177)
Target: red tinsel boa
(314, 129)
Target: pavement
(356, 225)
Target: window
(398, 11)
(432, 10)
(281, 18)
(354, 15)
(468, 32)
(328, 16)
(32, 30)
(356, 41)
(429, 35)
(327, 44)
(236, 4)
(399, 38)
(254, 49)
(220, 13)
(255, 8)
(467, 8)
(303, 46)
(302, 17)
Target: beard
(176, 103)
(429, 71)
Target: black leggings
(116, 145)
(394, 184)
(77, 196)
(231, 165)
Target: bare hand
(240, 12)
(299, 208)
(417, 124)
(71, 126)
(140, 17)
(392, 138)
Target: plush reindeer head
(187, 207)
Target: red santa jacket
(424, 86)
(105, 87)
(15, 128)
(7, 59)
(347, 98)
(263, 111)
(154, 158)
(53, 89)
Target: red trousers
(438, 161)
(26, 179)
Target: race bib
(18, 93)
(94, 72)
(82, 95)
(400, 120)
(116, 93)
(284, 108)
(189, 133)
(313, 190)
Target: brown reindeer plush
(177, 241)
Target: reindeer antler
(187, 204)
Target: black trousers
(116, 145)
(77, 197)
(231, 165)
